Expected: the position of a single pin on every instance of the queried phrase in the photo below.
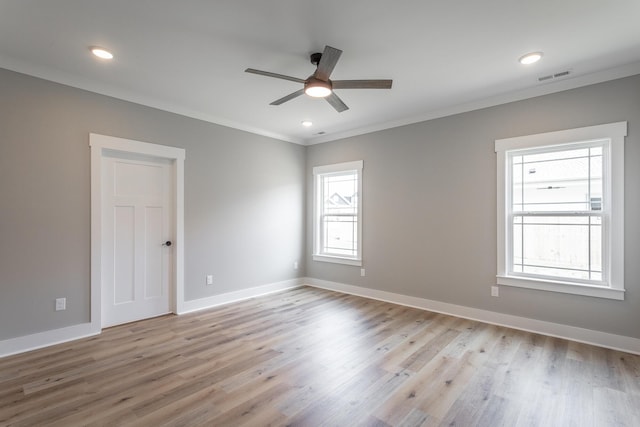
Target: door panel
(135, 179)
(137, 218)
(153, 280)
(123, 254)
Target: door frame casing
(98, 144)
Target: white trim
(338, 167)
(501, 197)
(235, 296)
(562, 287)
(98, 144)
(136, 97)
(71, 333)
(509, 96)
(537, 89)
(45, 339)
(602, 339)
(583, 134)
(616, 196)
(337, 260)
(587, 336)
(613, 134)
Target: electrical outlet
(209, 279)
(295, 265)
(61, 304)
(495, 291)
(362, 272)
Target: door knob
(167, 243)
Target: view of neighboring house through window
(561, 211)
(337, 213)
(556, 212)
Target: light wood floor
(310, 357)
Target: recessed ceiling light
(101, 52)
(307, 123)
(530, 58)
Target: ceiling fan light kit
(318, 85)
(317, 88)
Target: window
(561, 211)
(337, 213)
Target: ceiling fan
(318, 85)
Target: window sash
(601, 147)
(325, 245)
(596, 184)
(573, 271)
(329, 220)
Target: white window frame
(318, 172)
(612, 286)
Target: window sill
(337, 260)
(562, 287)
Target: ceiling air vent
(554, 76)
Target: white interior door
(137, 217)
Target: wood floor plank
(417, 418)
(311, 357)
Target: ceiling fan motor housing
(315, 58)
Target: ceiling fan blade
(362, 84)
(288, 97)
(327, 62)
(336, 102)
(276, 75)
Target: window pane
(340, 236)
(555, 155)
(596, 179)
(558, 246)
(596, 248)
(517, 245)
(517, 172)
(341, 193)
(569, 180)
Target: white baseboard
(587, 336)
(229, 297)
(57, 336)
(46, 339)
(602, 339)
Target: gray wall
(429, 206)
(429, 203)
(244, 200)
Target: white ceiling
(189, 56)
